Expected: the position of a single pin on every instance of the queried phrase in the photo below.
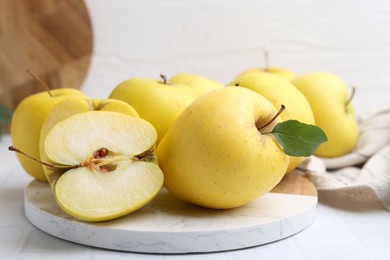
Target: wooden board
(53, 38)
(167, 225)
(295, 183)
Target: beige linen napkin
(364, 174)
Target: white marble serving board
(167, 225)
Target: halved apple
(103, 164)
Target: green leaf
(5, 115)
(297, 138)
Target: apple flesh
(104, 164)
(69, 107)
(215, 155)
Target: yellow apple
(215, 155)
(198, 83)
(27, 122)
(102, 164)
(333, 111)
(279, 71)
(157, 101)
(280, 92)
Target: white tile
(119, 255)
(8, 160)
(342, 254)
(11, 198)
(282, 249)
(4, 174)
(325, 215)
(283, 244)
(12, 191)
(374, 215)
(53, 256)
(274, 255)
(381, 254)
(114, 255)
(12, 219)
(351, 211)
(40, 242)
(323, 236)
(9, 240)
(100, 254)
(372, 235)
(210, 256)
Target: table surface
(343, 229)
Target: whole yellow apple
(215, 156)
(198, 83)
(27, 121)
(280, 92)
(157, 101)
(333, 111)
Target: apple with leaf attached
(280, 92)
(229, 147)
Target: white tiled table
(342, 230)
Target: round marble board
(167, 225)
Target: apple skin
(280, 92)
(214, 156)
(328, 95)
(155, 101)
(27, 121)
(199, 84)
(281, 72)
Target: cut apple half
(103, 164)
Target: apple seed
(102, 152)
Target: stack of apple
(211, 145)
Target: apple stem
(40, 81)
(266, 60)
(282, 108)
(164, 78)
(351, 96)
(14, 149)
